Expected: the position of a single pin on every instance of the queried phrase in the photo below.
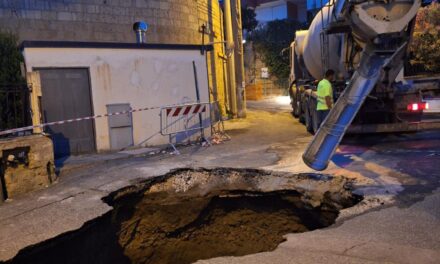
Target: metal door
(120, 126)
(66, 95)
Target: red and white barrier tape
(15, 130)
(186, 110)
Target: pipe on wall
(231, 59)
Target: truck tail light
(415, 107)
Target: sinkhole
(194, 214)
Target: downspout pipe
(239, 59)
(231, 58)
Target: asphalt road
(399, 220)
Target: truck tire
(296, 105)
(294, 100)
(302, 101)
(302, 118)
(308, 119)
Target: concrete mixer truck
(365, 43)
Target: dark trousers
(322, 114)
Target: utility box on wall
(27, 164)
(120, 126)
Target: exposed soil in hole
(183, 229)
(189, 215)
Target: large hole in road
(189, 215)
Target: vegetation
(425, 47)
(10, 59)
(249, 20)
(270, 40)
(12, 99)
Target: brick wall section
(253, 64)
(37, 174)
(171, 21)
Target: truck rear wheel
(296, 105)
(302, 118)
(308, 119)
(302, 101)
(295, 102)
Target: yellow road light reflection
(283, 100)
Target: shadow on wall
(61, 146)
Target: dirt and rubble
(193, 214)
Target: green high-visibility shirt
(324, 90)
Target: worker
(325, 96)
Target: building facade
(170, 22)
(269, 10)
(81, 79)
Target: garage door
(66, 95)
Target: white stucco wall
(271, 11)
(302, 12)
(140, 77)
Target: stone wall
(253, 63)
(27, 164)
(170, 21)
